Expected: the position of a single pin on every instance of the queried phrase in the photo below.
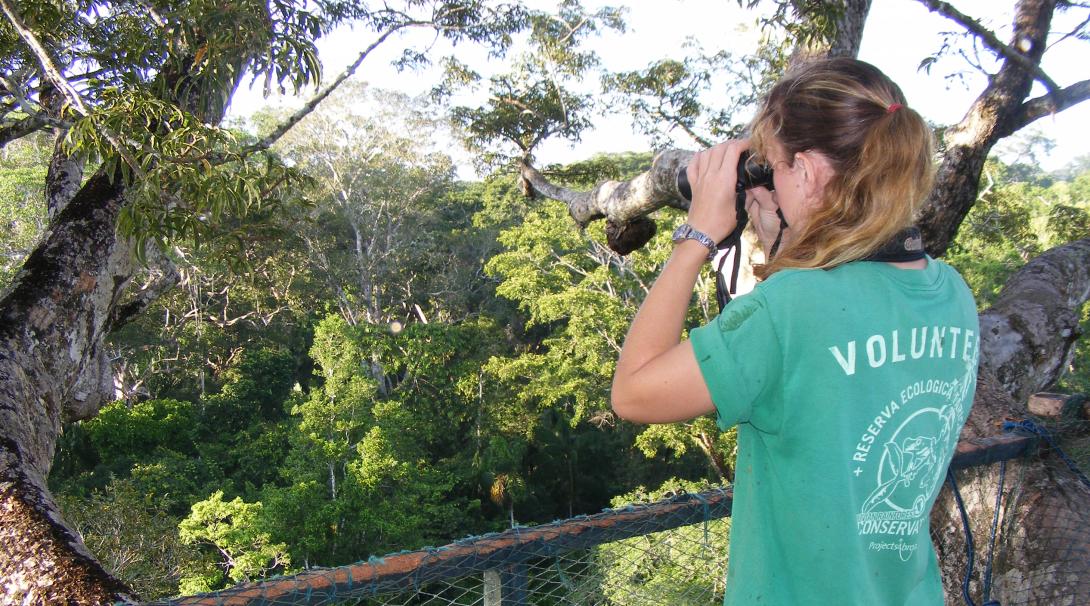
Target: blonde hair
(879, 149)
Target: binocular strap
(733, 245)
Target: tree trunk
(53, 369)
(1027, 340)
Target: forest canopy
(230, 350)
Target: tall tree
(375, 157)
(133, 92)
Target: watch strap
(688, 232)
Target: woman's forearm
(658, 379)
(657, 326)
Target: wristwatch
(686, 232)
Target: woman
(849, 370)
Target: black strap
(906, 245)
(733, 242)
(779, 237)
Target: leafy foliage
(580, 297)
(538, 98)
(378, 233)
(670, 94)
(22, 213)
(233, 529)
(136, 537)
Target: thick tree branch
(969, 142)
(623, 204)
(849, 29)
(620, 201)
(65, 172)
(1049, 104)
(1027, 340)
(993, 42)
(20, 128)
(1028, 336)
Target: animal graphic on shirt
(912, 457)
(915, 459)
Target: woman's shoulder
(855, 279)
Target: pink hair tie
(893, 107)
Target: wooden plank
(1048, 405)
(985, 451)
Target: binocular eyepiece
(750, 174)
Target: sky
(898, 35)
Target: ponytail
(880, 151)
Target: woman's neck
(917, 264)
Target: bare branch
(988, 37)
(168, 279)
(295, 118)
(1052, 103)
(620, 201)
(1074, 32)
(20, 128)
(22, 100)
(49, 69)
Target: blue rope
(995, 526)
(969, 550)
(1035, 429)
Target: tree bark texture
(1027, 339)
(1030, 332)
(987, 121)
(55, 369)
(849, 29)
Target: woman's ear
(816, 172)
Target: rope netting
(674, 551)
(1029, 518)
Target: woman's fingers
(762, 209)
(712, 174)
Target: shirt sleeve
(740, 358)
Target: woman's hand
(712, 174)
(763, 215)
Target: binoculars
(750, 174)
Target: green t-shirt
(849, 388)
